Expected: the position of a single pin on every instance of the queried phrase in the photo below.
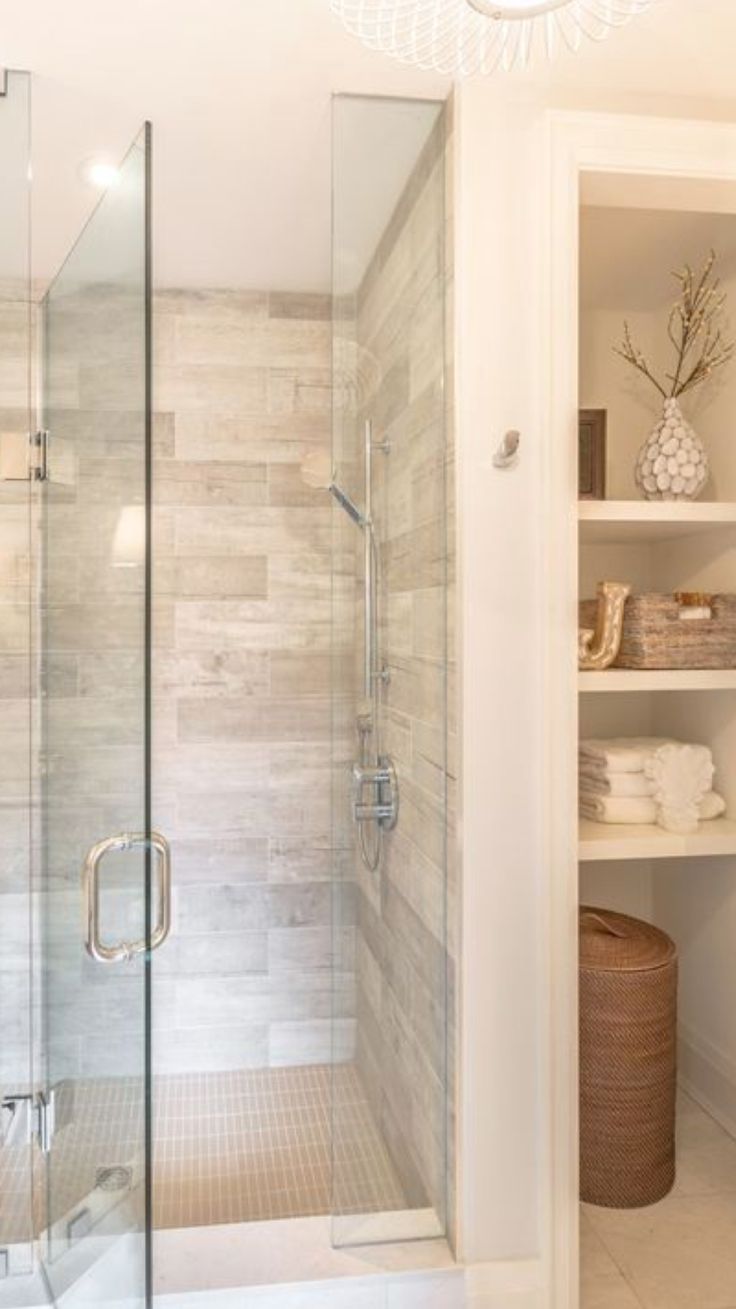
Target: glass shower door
(16, 1231)
(103, 875)
(393, 953)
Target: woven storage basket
(655, 635)
(628, 1013)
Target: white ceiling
(239, 94)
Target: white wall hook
(507, 453)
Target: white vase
(673, 462)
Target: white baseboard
(440, 1290)
(709, 1076)
(482, 1287)
(517, 1284)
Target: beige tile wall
(405, 938)
(15, 757)
(242, 712)
(92, 670)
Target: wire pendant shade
(463, 37)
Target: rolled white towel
(620, 754)
(712, 806)
(593, 782)
(637, 810)
(684, 776)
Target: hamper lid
(611, 942)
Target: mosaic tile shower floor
(229, 1148)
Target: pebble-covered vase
(672, 463)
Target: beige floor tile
(707, 1170)
(680, 1254)
(610, 1291)
(228, 1148)
(595, 1261)
(706, 1154)
(695, 1126)
(602, 1286)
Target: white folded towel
(640, 809)
(594, 782)
(620, 754)
(618, 809)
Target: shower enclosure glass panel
(390, 958)
(94, 679)
(16, 1074)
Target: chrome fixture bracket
(40, 455)
(376, 794)
(122, 953)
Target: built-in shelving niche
(661, 547)
(686, 885)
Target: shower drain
(117, 1178)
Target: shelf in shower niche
(660, 679)
(608, 841)
(650, 521)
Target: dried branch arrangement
(695, 329)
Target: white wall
(499, 285)
(506, 334)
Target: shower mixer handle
(376, 793)
(370, 776)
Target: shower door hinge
(45, 1121)
(28, 1118)
(39, 455)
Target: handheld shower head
(317, 472)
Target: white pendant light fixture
(462, 37)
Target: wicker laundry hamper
(628, 1019)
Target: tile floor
(681, 1253)
(229, 1148)
(15, 1195)
(239, 1147)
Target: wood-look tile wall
(405, 946)
(15, 767)
(242, 710)
(90, 639)
(15, 634)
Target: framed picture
(592, 454)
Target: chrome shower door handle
(94, 945)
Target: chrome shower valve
(376, 794)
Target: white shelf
(673, 679)
(650, 521)
(603, 841)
